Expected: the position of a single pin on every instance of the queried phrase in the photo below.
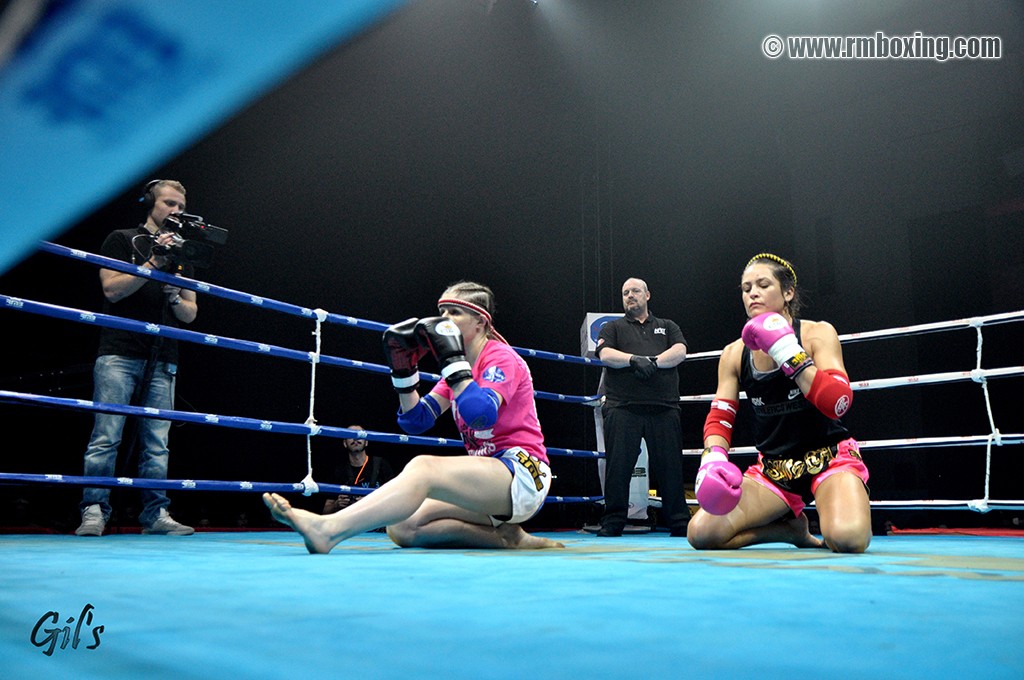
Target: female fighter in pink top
(474, 501)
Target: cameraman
(137, 368)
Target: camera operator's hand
(339, 503)
(164, 239)
(173, 294)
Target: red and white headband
(476, 309)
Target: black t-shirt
(786, 425)
(377, 471)
(148, 304)
(649, 338)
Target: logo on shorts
(532, 466)
(494, 375)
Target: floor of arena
(255, 604)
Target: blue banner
(102, 90)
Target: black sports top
(786, 425)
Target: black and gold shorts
(795, 479)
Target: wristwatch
(176, 301)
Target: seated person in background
(357, 469)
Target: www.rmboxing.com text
(881, 46)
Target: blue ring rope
(240, 423)
(211, 340)
(215, 485)
(203, 287)
(266, 303)
(246, 423)
(207, 339)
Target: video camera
(190, 232)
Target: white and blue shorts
(531, 481)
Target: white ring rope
(908, 443)
(919, 329)
(977, 375)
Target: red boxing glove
(719, 482)
(772, 334)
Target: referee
(641, 352)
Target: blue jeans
(115, 379)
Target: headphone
(148, 198)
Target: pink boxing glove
(718, 482)
(772, 334)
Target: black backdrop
(552, 150)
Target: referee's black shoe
(609, 531)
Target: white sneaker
(92, 522)
(166, 526)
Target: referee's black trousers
(624, 427)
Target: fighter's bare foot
(514, 537)
(802, 533)
(302, 521)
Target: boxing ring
(256, 605)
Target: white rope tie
(978, 375)
(309, 485)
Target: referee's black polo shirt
(649, 338)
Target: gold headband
(773, 258)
